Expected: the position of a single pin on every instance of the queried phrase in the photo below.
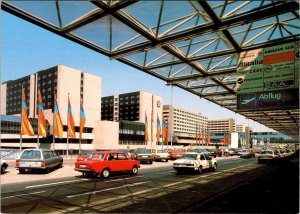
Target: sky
(27, 48)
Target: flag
(208, 136)
(71, 124)
(158, 130)
(82, 120)
(41, 116)
(58, 126)
(26, 128)
(226, 140)
(146, 128)
(165, 131)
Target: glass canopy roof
(193, 45)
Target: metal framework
(193, 45)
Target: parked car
(144, 155)
(232, 152)
(198, 150)
(212, 152)
(4, 166)
(42, 159)
(106, 162)
(160, 155)
(221, 152)
(194, 162)
(268, 156)
(176, 153)
(247, 153)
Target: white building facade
(182, 125)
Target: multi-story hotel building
(135, 107)
(221, 126)
(62, 81)
(182, 125)
(221, 129)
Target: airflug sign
(266, 100)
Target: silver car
(43, 159)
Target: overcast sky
(27, 49)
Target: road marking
(108, 200)
(103, 190)
(50, 184)
(121, 179)
(22, 195)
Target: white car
(4, 166)
(193, 161)
(267, 156)
(161, 155)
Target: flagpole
(38, 131)
(53, 137)
(68, 127)
(80, 134)
(21, 120)
(53, 111)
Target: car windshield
(192, 150)
(266, 152)
(86, 152)
(31, 154)
(162, 151)
(97, 156)
(189, 156)
(143, 151)
(211, 150)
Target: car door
(123, 163)
(203, 161)
(208, 161)
(112, 162)
(49, 160)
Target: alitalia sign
(267, 77)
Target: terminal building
(183, 125)
(122, 124)
(131, 110)
(62, 81)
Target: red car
(106, 162)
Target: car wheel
(177, 171)
(134, 170)
(105, 173)
(167, 160)
(200, 169)
(2, 169)
(215, 167)
(151, 162)
(21, 171)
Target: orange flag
(71, 124)
(58, 126)
(26, 128)
(42, 120)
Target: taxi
(106, 162)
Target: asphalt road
(124, 193)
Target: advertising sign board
(268, 72)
